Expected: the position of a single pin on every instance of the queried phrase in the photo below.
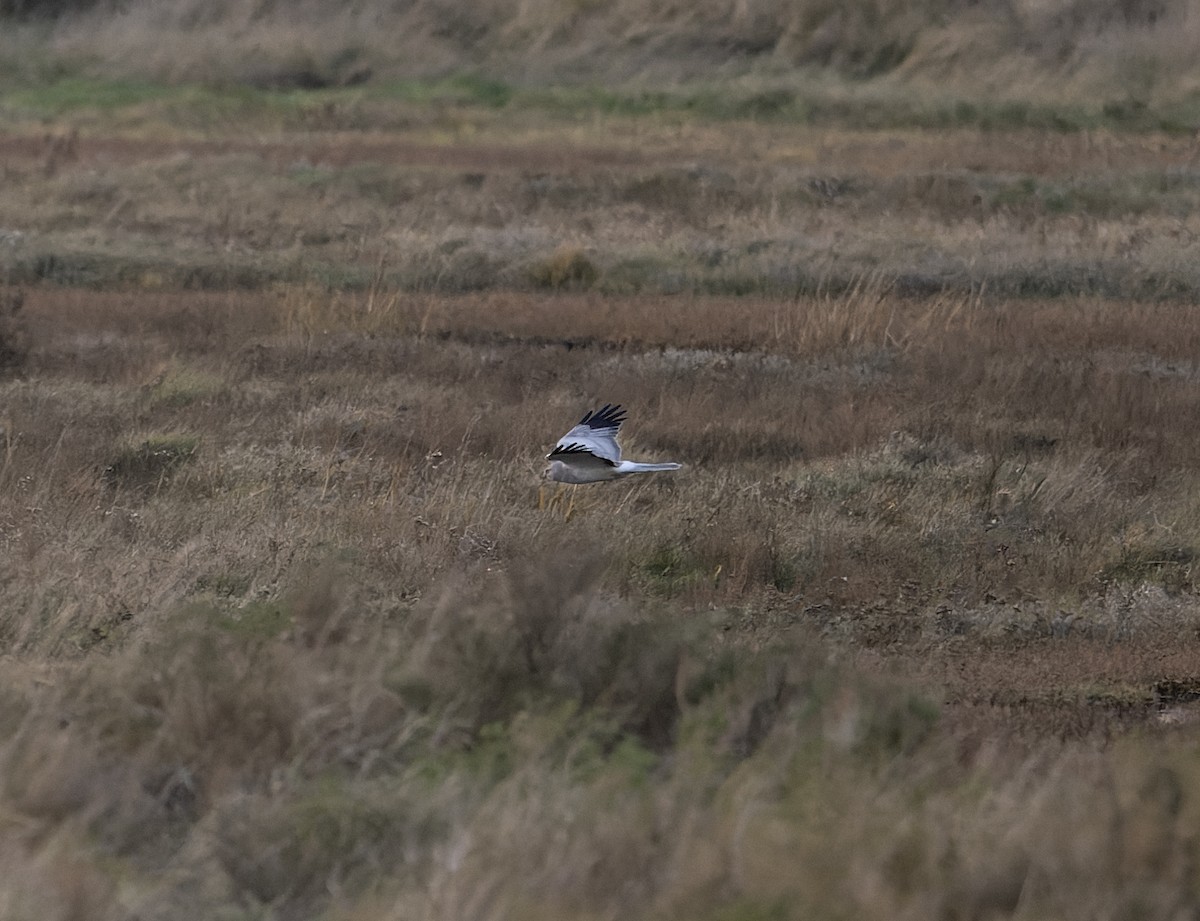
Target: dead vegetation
(14, 340)
(287, 629)
(932, 549)
(783, 210)
(1131, 55)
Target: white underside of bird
(589, 453)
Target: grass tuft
(568, 268)
(178, 387)
(670, 570)
(150, 462)
(14, 332)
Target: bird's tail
(634, 467)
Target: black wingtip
(568, 450)
(607, 416)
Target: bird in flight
(589, 453)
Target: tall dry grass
(360, 767)
(1130, 51)
(1029, 448)
(289, 630)
(924, 555)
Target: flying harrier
(589, 453)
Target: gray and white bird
(589, 453)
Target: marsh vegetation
(289, 627)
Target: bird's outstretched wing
(595, 435)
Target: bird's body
(589, 453)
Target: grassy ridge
(1130, 54)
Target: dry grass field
(290, 627)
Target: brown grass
(1130, 52)
(1031, 448)
(785, 211)
(290, 627)
(974, 504)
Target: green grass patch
(463, 89)
(751, 909)
(1117, 195)
(223, 585)
(150, 461)
(331, 832)
(669, 570)
(257, 620)
(71, 94)
(813, 100)
(859, 106)
(182, 387)
(1169, 566)
(110, 268)
(568, 267)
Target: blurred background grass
(1065, 64)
